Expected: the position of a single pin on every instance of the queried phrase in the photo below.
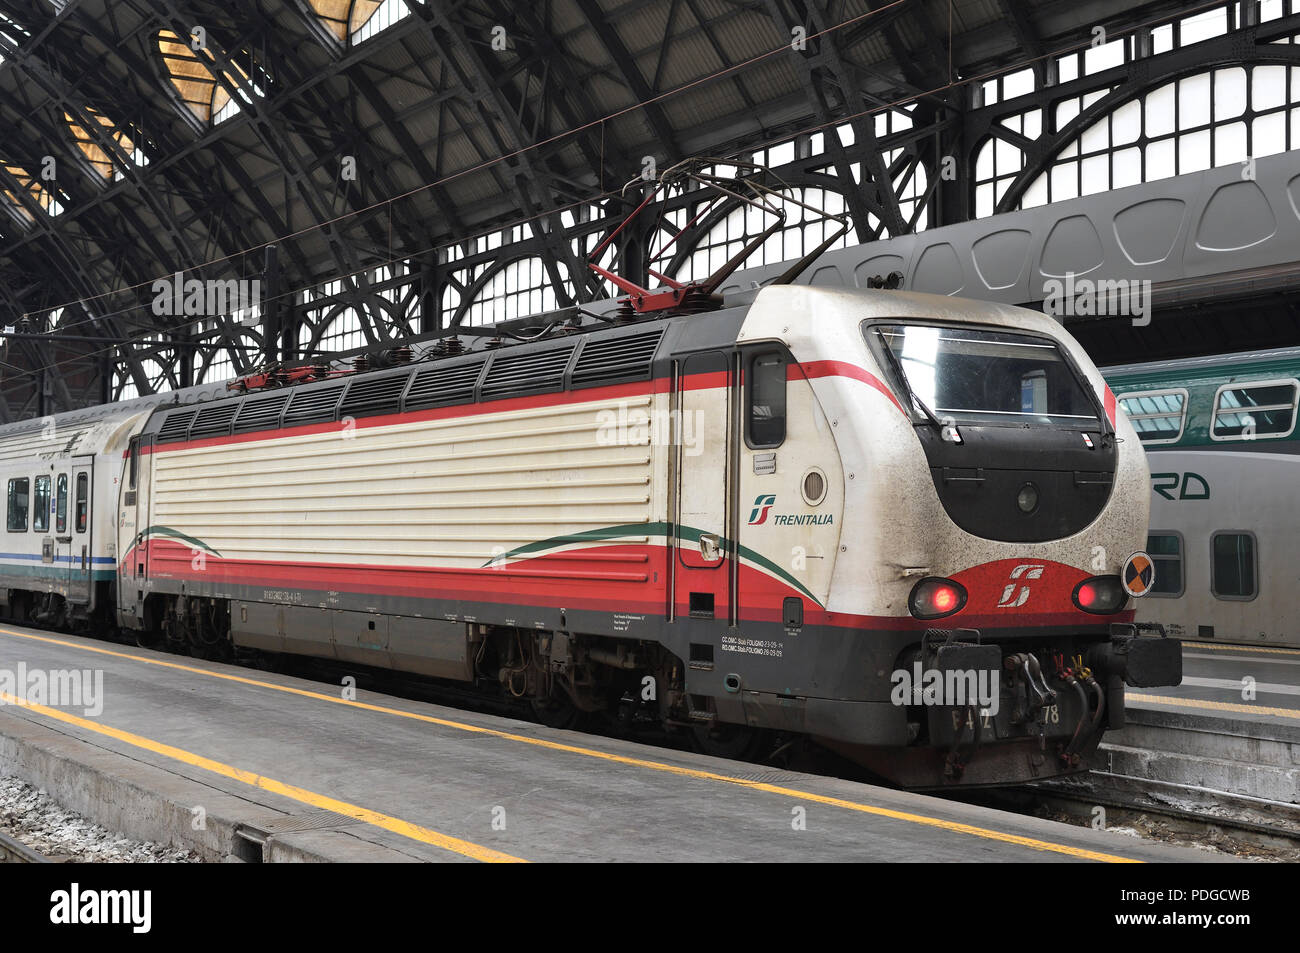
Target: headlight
(1100, 595)
(934, 598)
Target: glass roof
(345, 17)
(194, 73)
(29, 182)
(94, 154)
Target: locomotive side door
(704, 447)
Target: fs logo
(1023, 572)
(762, 504)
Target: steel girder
(1125, 83)
(427, 108)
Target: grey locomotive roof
(87, 416)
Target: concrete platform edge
(146, 802)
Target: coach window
(1232, 566)
(41, 505)
(18, 490)
(1166, 551)
(1257, 410)
(766, 386)
(61, 504)
(1158, 416)
(83, 501)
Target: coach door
(704, 448)
(137, 497)
(75, 507)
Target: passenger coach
(1225, 492)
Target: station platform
(247, 765)
(1215, 675)
(1232, 727)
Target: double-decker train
(1220, 432)
(891, 522)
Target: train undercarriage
(1031, 711)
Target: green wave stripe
(169, 533)
(686, 533)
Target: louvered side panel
(512, 374)
(442, 385)
(448, 493)
(316, 405)
(373, 396)
(260, 413)
(615, 360)
(175, 426)
(214, 420)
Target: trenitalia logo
(1009, 598)
(763, 504)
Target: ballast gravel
(32, 816)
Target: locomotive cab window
(17, 512)
(83, 501)
(41, 505)
(982, 376)
(1266, 409)
(1233, 566)
(133, 462)
(765, 402)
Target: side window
(765, 386)
(1158, 416)
(132, 462)
(1232, 566)
(83, 501)
(1248, 411)
(41, 505)
(18, 491)
(61, 504)
(1166, 551)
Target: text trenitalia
(76, 906)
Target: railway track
(13, 851)
(1175, 813)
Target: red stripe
(1110, 405)
(704, 381)
(541, 581)
(845, 369)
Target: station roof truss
(402, 155)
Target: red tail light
(1100, 595)
(934, 598)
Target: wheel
(724, 740)
(557, 712)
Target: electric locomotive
(894, 523)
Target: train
(1220, 433)
(904, 527)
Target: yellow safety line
(1214, 706)
(1195, 644)
(872, 809)
(302, 795)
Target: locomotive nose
(1003, 484)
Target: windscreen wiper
(897, 365)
